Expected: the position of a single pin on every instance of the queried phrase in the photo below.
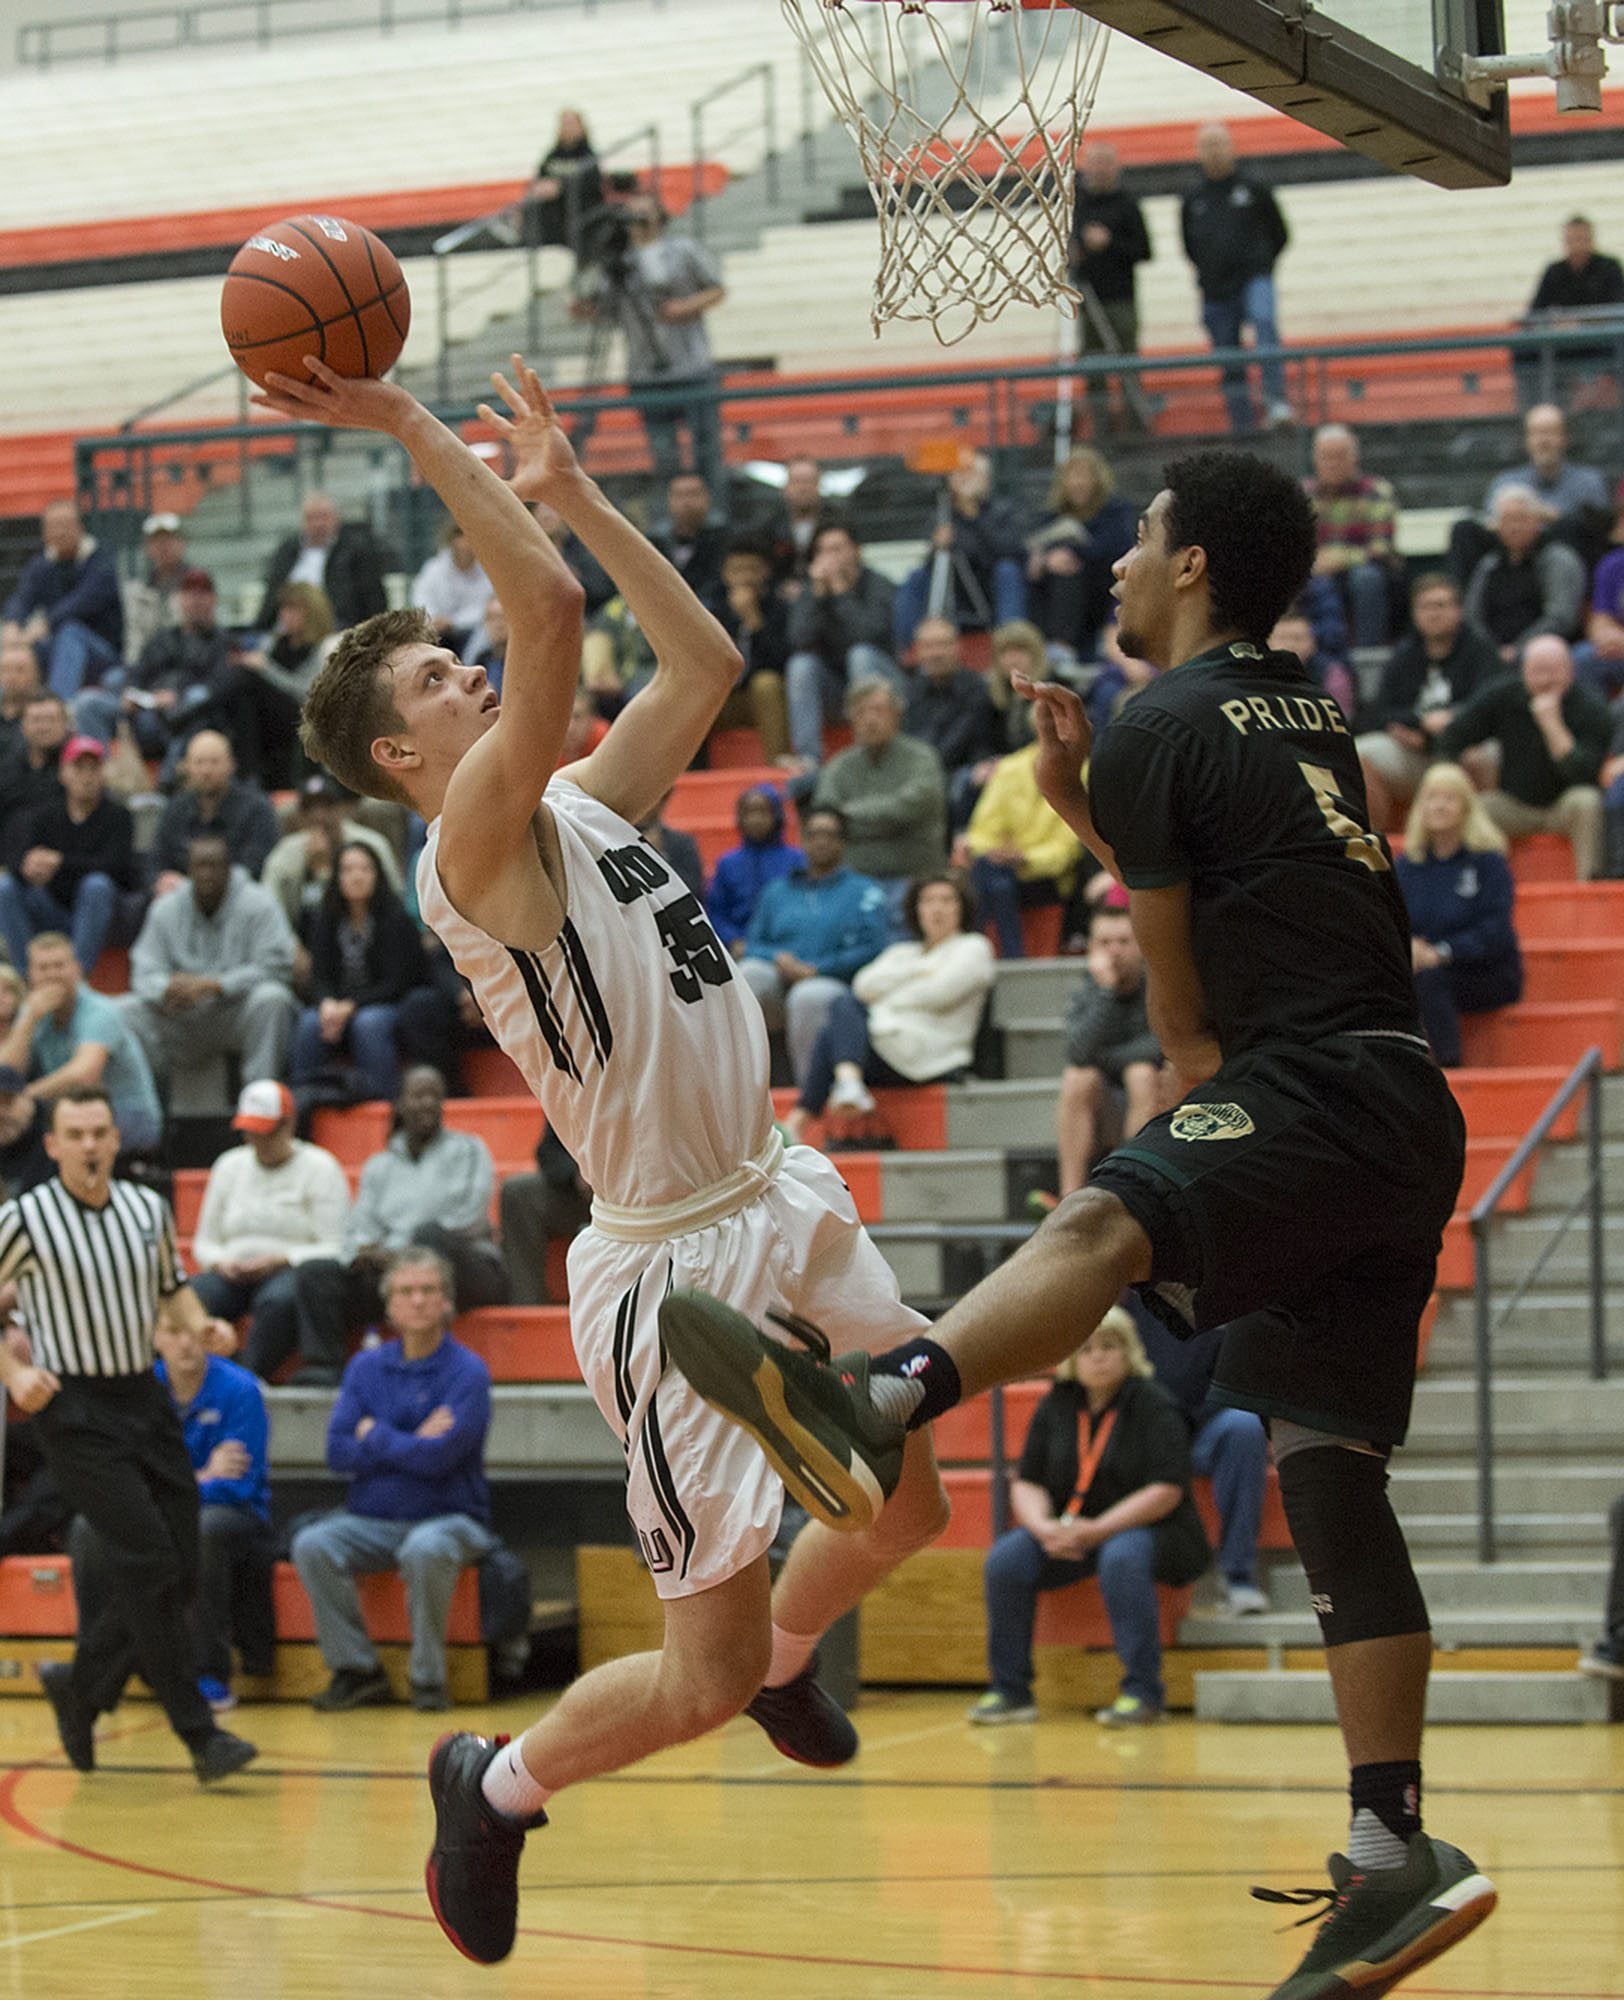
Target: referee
(95, 1266)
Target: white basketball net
(967, 116)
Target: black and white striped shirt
(89, 1280)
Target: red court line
(12, 1815)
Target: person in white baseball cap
(152, 600)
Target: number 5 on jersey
(1357, 844)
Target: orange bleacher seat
(522, 1343)
(1542, 857)
(916, 1119)
(1504, 1103)
(36, 1598)
(1549, 1032)
(492, 1073)
(510, 1126)
(383, 1606)
(1553, 912)
(1573, 969)
(1274, 1534)
(1075, 1615)
(1457, 1261)
(1429, 1319)
(111, 972)
(1484, 1159)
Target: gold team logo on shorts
(1211, 1121)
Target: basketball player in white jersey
(600, 976)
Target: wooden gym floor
(948, 1864)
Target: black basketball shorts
(1298, 1200)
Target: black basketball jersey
(1236, 774)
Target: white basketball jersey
(634, 1028)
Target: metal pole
(442, 366)
(1483, 1313)
(997, 1461)
(696, 116)
(770, 95)
(532, 292)
(1598, 1211)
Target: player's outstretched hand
(544, 462)
(348, 402)
(1065, 739)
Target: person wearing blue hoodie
(813, 929)
(1458, 890)
(408, 1429)
(762, 857)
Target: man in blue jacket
(745, 872)
(409, 1430)
(811, 931)
(67, 604)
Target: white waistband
(696, 1211)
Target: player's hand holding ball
(351, 403)
(544, 463)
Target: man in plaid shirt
(1358, 520)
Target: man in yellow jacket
(1019, 850)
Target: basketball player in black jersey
(1295, 1197)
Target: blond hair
(351, 702)
(1478, 834)
(1115, 1330)
(1104, 480)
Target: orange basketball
(314, 285)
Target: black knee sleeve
(1350, 1544)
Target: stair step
(1451, 1697)
(1512, 1530)
(1452, 1629)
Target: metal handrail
(758, 73)
(1585, 1076)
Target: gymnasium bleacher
(441, 135)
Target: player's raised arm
(508, 768)
(653, 739)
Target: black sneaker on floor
(1385, 1923)
(472, 1874)
(836, 1454)
(75, 1724)
(805, 1722)
(429, 1700)
(350, 1688)
(222, 1757)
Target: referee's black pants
(115, 1448)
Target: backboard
(1380, 76)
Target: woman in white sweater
(912, 1013)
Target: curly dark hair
(1257, 527)
(958, 881)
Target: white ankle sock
(509, 1786)
(790, 1654)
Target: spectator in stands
(211, 798)
(1294, 633)
(950, 708)
(1605, 1657)
(300, 865)
(1069, 559)
(271, 1205)
(65, 1035)
(1581, 281)
(910, 1015)
(440, 1021)
(1600, 660)
(551, 1205)
(762, 857)
(364, 959)
(678, 850)
(429, 1189)
(78, 858)
(1612, 783)
(1574, 497)
(975, 572)
(891, 790)
(408, 1430)
(1108, 243)
(756, 618)
(1459, 893)
(567, 188)
(488, 647)
(1112, 1080)
(1553, 735)
(152, 600)
(1529, 582)
(811, 931)
(32, 777)
(794, 525)
(840, 632)
(1017, 648)
(1357, 518)
(24, 1164)
(181, 678)
(588, 572)
(268, 683)
(67, 604)
(1117, 1506)
(1233, 234)
(453, 589)
(211, 972)
(691, 541)
(228, 1439)
(658, 298)
(339, 557)
(1441, 661)
(19, 683)
(1020, 852)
